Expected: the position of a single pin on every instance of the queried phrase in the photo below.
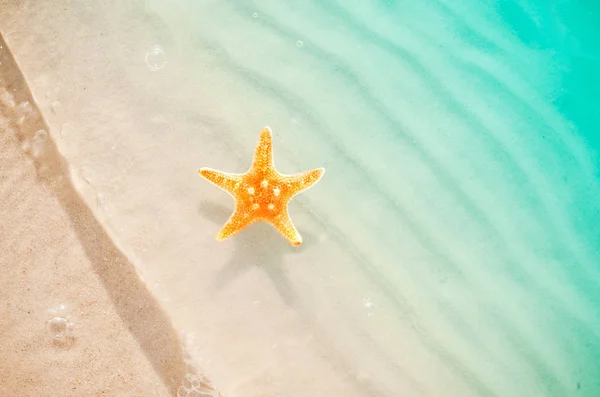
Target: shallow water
(452, 246)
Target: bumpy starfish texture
(262, 193)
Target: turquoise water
(463, 138)
(452, 247)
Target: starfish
(262, 193)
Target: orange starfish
(262, 193)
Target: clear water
(453, 246)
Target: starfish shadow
(259, 245)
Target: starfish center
(262, 194)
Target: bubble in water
(194, 385)
(156, 59)
(59, 325)
(60, 310)
(39, 141)
(41, 136)
(299, 43)
(255, 15)
(368, 304)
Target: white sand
(437, 244)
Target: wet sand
(53, 252)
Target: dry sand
(53, 252)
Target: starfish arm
(236, 223)
(284, 225)
(225, 181)
(263, 154)
(304, 180)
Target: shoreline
(450, 248)
(55, 253)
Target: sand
(451, 248)
(57, 261)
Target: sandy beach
(450, 249)
(54, 253)
(58, 263)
